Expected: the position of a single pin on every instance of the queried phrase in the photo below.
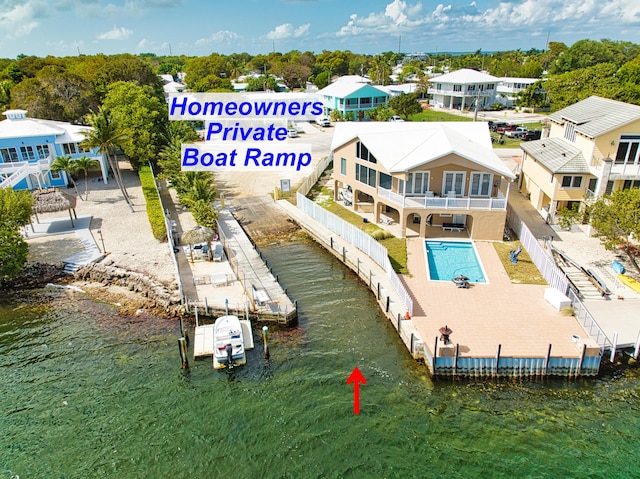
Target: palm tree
(201, 189)
(66, 164)
(84, 163)
(106, 135)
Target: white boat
(229, 348)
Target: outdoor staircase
(90, 253)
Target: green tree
(66, 164)
(405, 104)
(616, 219)
(142, 115)
(84, 164)
(380, 70)
(321, 80)
(170, 156)
(204, 214)
(574, 86)
(106, 134)
(13, 253)
(16, 208)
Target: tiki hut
(199, 234)
(53, 200)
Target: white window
(481, 184)
(453, 181)
(628, 150)
(27, 153)
(9, 155)
(43, 151)
(69, 148)
(572, 181)
(418, 183)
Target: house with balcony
(508, 89)
(429, 177)
(353, 99)
(593, 149)
(463, 89)
(28, 146)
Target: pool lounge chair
(453, 226)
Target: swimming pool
(448, 259)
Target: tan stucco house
(429, 177)
(593, 148)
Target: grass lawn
(434, 115)
(524, 271)
(396, 247)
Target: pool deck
(515, 316)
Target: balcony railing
(443, 202)
(14, 173)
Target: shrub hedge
(154, 208)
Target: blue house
(352, 99)
(29, 145)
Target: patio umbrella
(51, 201)
(199, 234)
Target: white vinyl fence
(360, 240)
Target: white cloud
(19, 19)
(398, 16)
(286, 30)
(115, 34)
(222, 36)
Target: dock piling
(265, 332)
(182, 346)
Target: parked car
(519, 132)
(395, 118)
(506, 127)
(532, 135)
(324, 122)
(494, 125)
(292, 133)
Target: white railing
(311, 180)
(443, 202)
(627, 170)
(19, 171)
(556, 278)
(360, 240)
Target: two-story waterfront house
(462, 89)
(508, 89)
(429, 177)
(593, 149)
(352, 99)
(29, 145)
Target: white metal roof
(403, 146)
(24, 127)
(342, 89)
(465, 75)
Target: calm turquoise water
(85, 393)
(448, 259)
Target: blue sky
(200, 27)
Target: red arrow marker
(356, 378)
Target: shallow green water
(86, 393)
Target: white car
(292, 133)
(395, 118)
(324, 122)
(517, 133)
